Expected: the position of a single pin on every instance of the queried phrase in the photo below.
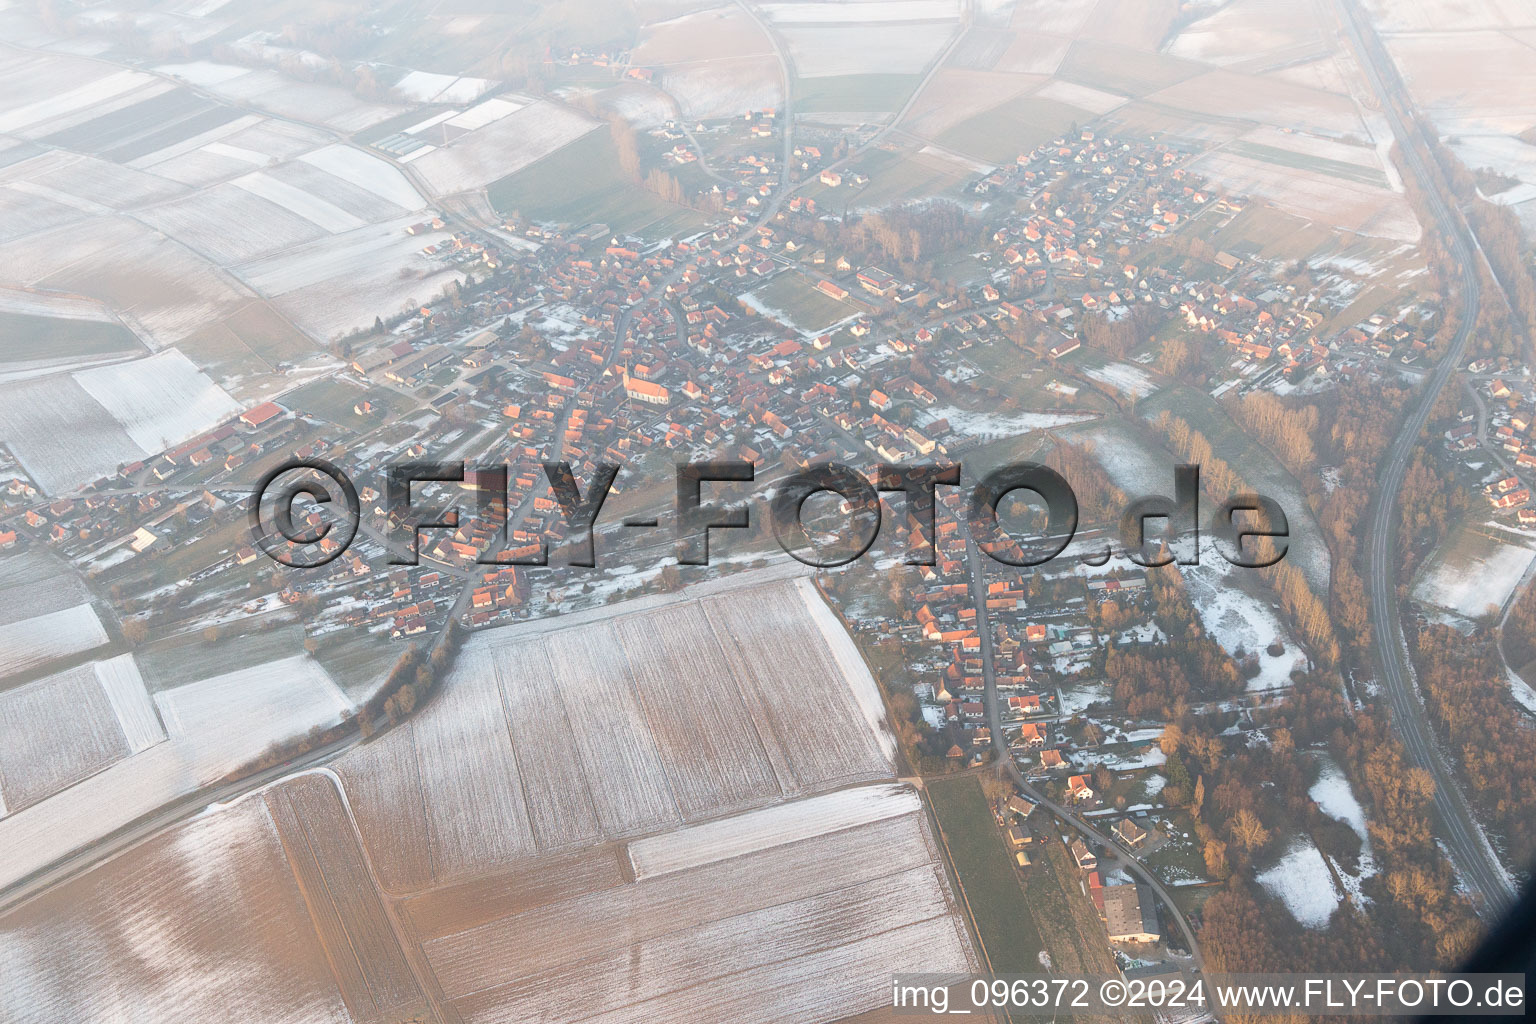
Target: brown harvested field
(535, 882)
(707, 35)
(1264, 100)
(360, 943)
(178, 930)
(1031, 53)
(1477, 82)
(714, 63)
(707, 742)
(268, 333)
(634, 721)
(1140, 24)
(1123, 69)
(955, 95)
(673, 946)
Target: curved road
(995, 720)
(1477, 863)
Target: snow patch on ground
(773, 826)
(1239, 621)
(1468, 586)
(1124, 378)
(1301, 881)
(991, 425)
(160, 401)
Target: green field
(1003, 916)
(795, 296)
(25, 337)
(581, 184)
(853, 93)
(1306, 162)
(182, 659)
(332, 400)
(1266, 231)
(999, 135)
(268, 333)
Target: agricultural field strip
(33, 584)
(855, 672)
(160, 400)
(176, 931)
(781, 824)
(513, 947)
(201, 140)
(55, 732)
(710, 745)
(274, 700)
(835, 983)
(762, 633)
(124, 688)
(366, 172)
(229, 225)
(717, 951)
(532, 882)
(333, 219)
(558, 799)
(618, 755)
(384, 790)
(370, 966)
(635, 771)
(31, 643)
(471, 779)
(81, 97)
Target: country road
(1474, 858)
(1171, 909)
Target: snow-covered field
(334, 284)
(1301, 881)
(1132, 463)
(176, 931)
(214, 725)
(725, 838)
(131, 704)
(327, 216)
(1093, 100)
(889, 49)
(429, 87)
(505, 145)
(45, 112)
(1123, 377)
(798, 931)
(648, 716)
(1365, 208)
(273, 701)
(53, 733)
(367, 172)
(160, 400)
(993, 425)
(33, 642)
(1470, 575)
